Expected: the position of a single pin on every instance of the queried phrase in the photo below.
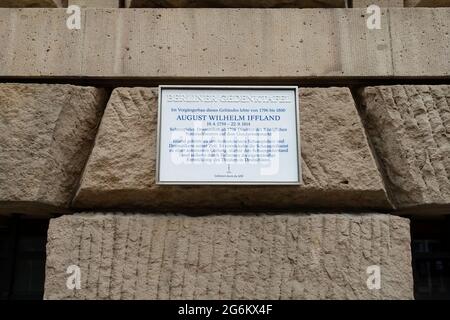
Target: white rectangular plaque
(228, 135)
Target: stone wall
(32, 3)
(221, 3)
(78, 115)
(295, 256)
(122, 162)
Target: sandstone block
(32, 3)
(235, 3)
(206, 43)
(47, 133)
(58, 53)
(410, 129)
(427, 3)
(417, 51)
(225, 43)
(318, 256)
(381, 3)
(95, 3)
(338, 167)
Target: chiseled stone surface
(337, 164)
(229, 43)
(32, 3)
(96, 3)
(381, 3)
(235, 3)
(46, 136)
(417, 50)
(145, 256)
(410, 129)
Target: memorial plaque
(228, 135)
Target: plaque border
(222, 183)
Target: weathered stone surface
(427, 3)
(338, 167)
(46, 136)
(224, 43)
(235, 3)
(410, 129)
(402, 3)
(24, 46)
(147, 256)
(381, 3)
(32, 3)
(416, 51)
(96, 3)
(233, 43)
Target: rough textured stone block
(229, 257)
(427, 3)
(409, 127)
(46, 136)
(338, 167)
(235, 3)
(32, 3)
(381, 3)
